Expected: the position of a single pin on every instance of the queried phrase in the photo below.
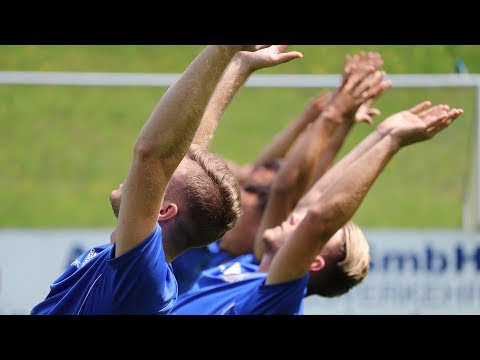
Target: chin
(115, 203)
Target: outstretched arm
(299, 169)
(341, 167)
(243, 64)
(282, 142)
(364, 113)
(341, 200)
(163, 142)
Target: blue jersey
(137, 282)
(188, 266)
(237, 288)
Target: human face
(242, 235)
(276, 237)
(116, 194)
(263, 175)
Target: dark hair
(262, 191)
(273, 164)
(211, 196)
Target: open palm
(420, 123)
(268, 56)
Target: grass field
(65, 148)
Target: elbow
(287, 182)
(326, 220)
(143, 149)
(146, 148)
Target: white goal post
(471, 201)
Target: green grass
(65, 148)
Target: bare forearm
(235, 75)
(342, 199)
(337, 171)
(332, 211)
(331, 151)
(283, 141)
(295, 175)
(173, 123)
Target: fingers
(367, 115)
(259, 47)
(374, 112)
(347, 64)
(366, 118)
(437, 123)
(372, 86)
(358, 74)
(441, 119)
(377, 90)
(280, 48)
(375, 59)
(419, 107)
(367, 83)
(286, 57)
(279, 55)
(362, 58)
(433, 111)
(453, 114)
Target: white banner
(414, 271)
(31, 259)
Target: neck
(173, 245)
(233, 248)
(113, 237)
(171, 251)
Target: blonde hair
(356, 264)
(339, 278)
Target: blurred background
(66, 147)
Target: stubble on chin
(115, 202)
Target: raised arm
(364, 113)
(297, 173)
(283, 141)
(341, 200)
(163, 142)
(243, 64)
(337, 171)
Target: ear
(167, 211)
(318, 264)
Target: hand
(371, 58)
(265, 56)
(420, 123)
(365, 112)
(315, 107)
(361, 85)
(252, 47)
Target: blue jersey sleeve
(139, 281)
(275, 299)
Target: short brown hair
(211, 194)
(353, 267)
